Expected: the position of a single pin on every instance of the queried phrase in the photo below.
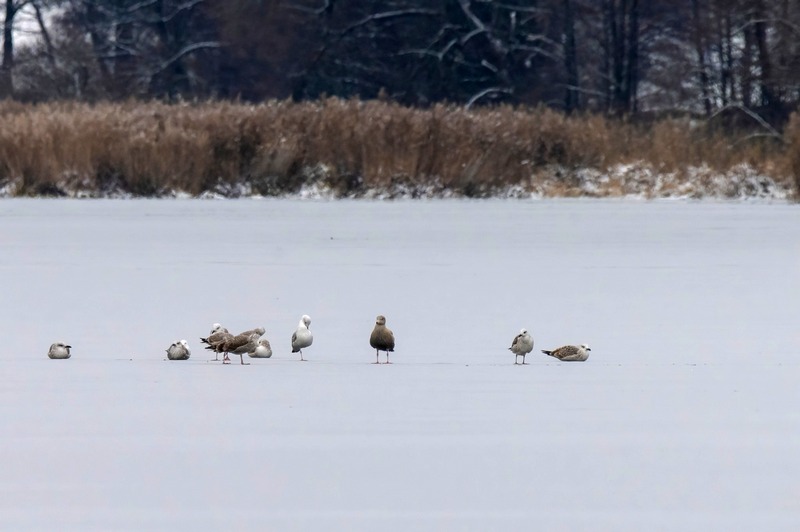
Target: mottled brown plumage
(570, 353)
(258, 330)
(239, 345)
(215, 339)
(217, 343)
(521, 345)
(381, 339)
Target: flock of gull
(251, 343)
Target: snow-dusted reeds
(351, 148)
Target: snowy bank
(635, 180)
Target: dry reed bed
(355, 148)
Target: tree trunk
(572, 96)
(632, 58)
(727, 91)
(701, 55)
(768, 97)
(51, 56)
(746, 78)
(125, 81)
(606, 72)
(621, 21)
(7, 66)
(94, 23)
(616, 34)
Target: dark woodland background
(616, 57)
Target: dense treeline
(618, 57)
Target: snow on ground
(683, 418)
(635, 180)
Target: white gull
(302, 338)
(179, 350)
(59, 350)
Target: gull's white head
(215, 327)
(523, 332)
(306, 321)
(184, 343)
(586, 347)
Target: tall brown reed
(353, 146)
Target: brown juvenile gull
(258, 330)
(59, 350)
(239, 345)
(179, 350)
(215, 337)
(216, 343)
(522, 345)
(570, 353)
(263, 349)
(302, 338)
(381, 339)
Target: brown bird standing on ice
(215, 339)
(570, 353)
(381, 339)
(216, 343)
(239, 345)
(522, 345)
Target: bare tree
(699, 23)
(10, 10)
(621, 48)
(614, 56)
(572, 93)
(145, 47)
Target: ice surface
(684, 417)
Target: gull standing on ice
(179, 351)
(381, 339)
(522, 345)
(302, 338)
(59, 350)
(570, 353)
(218, 345)
(239, 345)
(215, 338)
(263, 349)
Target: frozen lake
(684, 417)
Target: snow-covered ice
(684, 417)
